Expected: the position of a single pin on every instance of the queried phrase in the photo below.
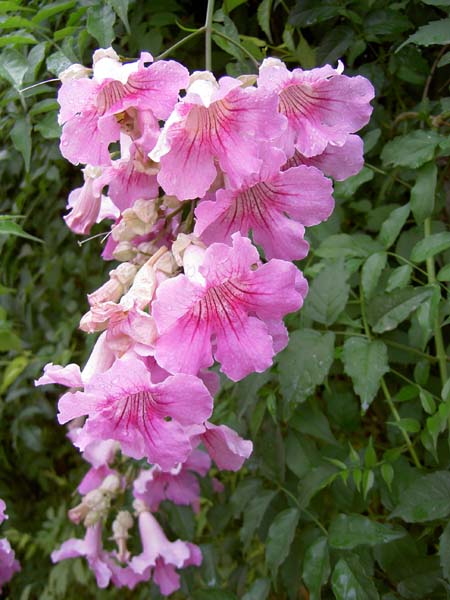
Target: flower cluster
(234, 157)
(8, 563)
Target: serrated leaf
(431, 245)
(280, 536)
(399, 278)
(263, 15)
(254, 514)
(426, 499)
(348, 531)
(305, 363)
(386, 311)
(100, 22)
(422, 194)
(371, 272)
(21, 139)
(365, 362)
(350, 581)
(411, 150)
(435, 32)
(328, 294)
(316, 567)
(393, 225)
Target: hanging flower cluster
(8, 563)
(238, 157)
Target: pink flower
(124, 405)
(322, 106)
(225, 446)
(214, 123)
(85, 202)
(3, 514)
(178, 485)
(89, 106)
(274, 204)
(8, 563)
(231, 301)
(161, 555)
(91, 548)
(339, 162)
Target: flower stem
(438, 339)
(180, 43)
(238, 45)
(208, 34)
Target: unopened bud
(111, 484)
(121, 524)
(139, 506)
(75, 71)
(124, 251)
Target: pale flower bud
(121, 524)
(75, 71)
(146, 211)
(105, 53)
(139, 506)
(170, 201)
(181, 244)
(111, 484)
(120, 280)
(124, 251)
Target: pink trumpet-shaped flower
(228, 450)
(8, 563)
(3, 514)
(178, 485)
(338, 162)
(91, 548)
(231, 301)
(89, 106)
(161, 555)
(221, 122)
(274, 204)
(322, 106)
(124, 405)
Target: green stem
(414, 266)
(180, 43)
(381, 172)
(300, 508)
(208, 34)
(411, 382)
(397, 418)
(238, 45)
(438, 339)
(386, 391)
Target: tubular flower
(124, 405)
(230, 303)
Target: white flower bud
(111, 484)
(124, 251)
(75, 71)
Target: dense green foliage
(347, 494)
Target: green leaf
(9, 340)
(316, 567)
(407, 424)
(426, 499)
(309, 12)
(298, 454)
(343, 245)
(399, 278)
(51, 9)
(328, 294)
(371, 272)
(254, 514)
(8, 227)
(263, 15)
(21, 139)
(17, 39)
(411, 150)
(348, 531)
(48, 126)
(13, 66)
(350, 582)
(431, 245)
(393, 225)
(213, 594)
(422, 194)
(346, 189)
(12, 372)
(310, 420)
(444, 551)
(386, 311)
(121, 9)
(435, 32)
(100, 22)
(444, 273)
(387, 473)
(305, 363)
(365, 362)
(259, 590)
(16, 22)
(280, 536)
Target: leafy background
(347, 494)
